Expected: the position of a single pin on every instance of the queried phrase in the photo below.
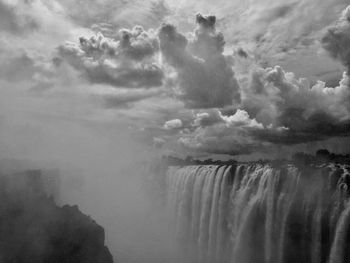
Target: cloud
(33, 28)
(305, 112)
(129, 61)
(221, 134)
(191, 90)
(204, 119)
(337, 39)
(279, 110)
(273, 93)
(116, 12)
(275, 32)
(17, 67)
(173, 124)
(124, 98)
(16, 20)
(137, 44)
(205, 78)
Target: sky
(206, 78)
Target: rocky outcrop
(34, 229)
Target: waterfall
(255, 213)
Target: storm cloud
(279, 110)
(205, 77)
(276, 108)
(188, 86)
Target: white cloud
(173, 124)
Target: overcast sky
(238, 78)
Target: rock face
(34, 229)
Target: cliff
(34, 229)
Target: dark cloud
(269, 108)
(205, 78)
(278, 110)
(216, 133)
(137, 44)
(129, 61)
(206, 21)
(307, 112)
(318, 127)
(272, 92)
(242, 53)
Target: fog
(103, 169)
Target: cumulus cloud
(205, 76)
(278, 110)
(173, 124)
(273, 95)
(128, 61)
(135, 74)
(276, 107)
(204, 119)
(220, 134)
(337, 39)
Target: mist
(52, 118)
(102, 168)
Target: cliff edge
(34, 229)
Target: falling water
(254, 213)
